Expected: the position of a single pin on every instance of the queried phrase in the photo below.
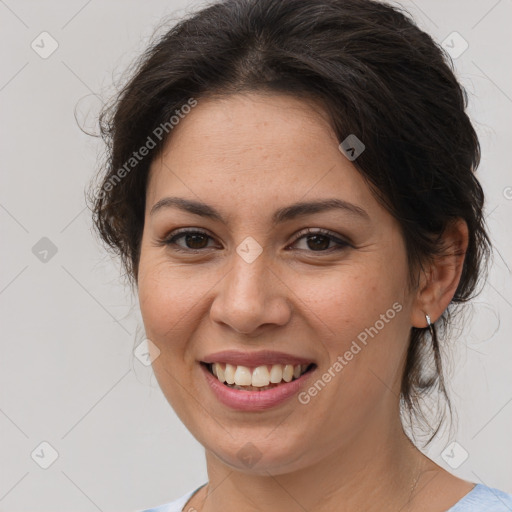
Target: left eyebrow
(281, 215)
(308, 208)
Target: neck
(377, 469)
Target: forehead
(253, 149)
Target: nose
(250, 297)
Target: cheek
(350, 299)
(165, 297)
(166, 302)
(360, 316)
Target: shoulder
(176, 505)
(484, 499)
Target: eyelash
(171, 240)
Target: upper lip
(259, 358)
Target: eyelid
(322, 231)
(341, 241)
(167, 240)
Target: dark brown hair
(376, 74)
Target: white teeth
(243, 376)
(260, 377)
(219, 372)
(276, 374)
(288, 372)
(263, 376)
(229, 373)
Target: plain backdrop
(72, 394)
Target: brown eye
(194, 240)
(319, 241)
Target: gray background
(67, 373)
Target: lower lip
(254, 400)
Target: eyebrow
(283, 214)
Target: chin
(258, 456)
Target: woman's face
(253, 283)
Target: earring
(429, 324)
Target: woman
(291, 190)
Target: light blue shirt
(480, 499)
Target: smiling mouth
(259, 378)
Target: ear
(439, 281)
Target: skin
(247, 155)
